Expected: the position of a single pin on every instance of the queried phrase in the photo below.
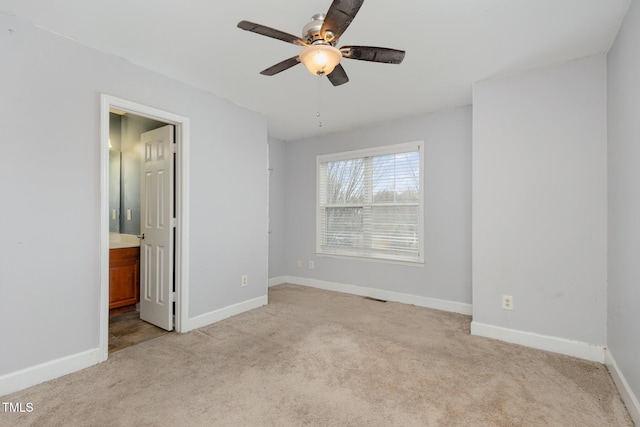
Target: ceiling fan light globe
(320, 59)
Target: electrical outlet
(244, 281)
(311, 265)
(507, 302)
(299, 263)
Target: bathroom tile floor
(127, 329)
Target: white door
(156, 225)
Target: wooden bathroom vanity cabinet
(124, 279)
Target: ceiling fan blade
(280, 66)
(338, 76)
(339, 16)
(373, 54)
(271, 32)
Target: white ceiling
(449, 43)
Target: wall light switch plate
(311, 265)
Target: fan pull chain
(319, 101)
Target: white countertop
(117, 241)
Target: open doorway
(126, 192)
(158, 172)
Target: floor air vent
(375, 299)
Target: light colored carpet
(314, 357)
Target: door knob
(141, 236)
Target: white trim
(579, 349)
(28, 377)
(182, 229)
(628, 396)
(277, 280)
(380, 260)
(223, 313)
(182, 210)
(420, 301)
(103, 342)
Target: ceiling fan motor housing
(311, 31)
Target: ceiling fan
(320, 37)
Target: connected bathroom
(124, 208)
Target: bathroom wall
(131, 129)
(124, 175)
(114, 173)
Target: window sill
(420, 264)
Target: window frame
(368, 153)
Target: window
(370, 203)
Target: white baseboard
(628, 396)
(28, 377)
(223, 313)
(277, 280)
(438, 304)
(579, 349)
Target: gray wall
(446, 273)
(624, 198)
(50, 183)
(540, 201)
(277, 223)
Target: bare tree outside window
(345, 180)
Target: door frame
(181, 195)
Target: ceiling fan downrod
(312, 31)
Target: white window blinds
(370, 203)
